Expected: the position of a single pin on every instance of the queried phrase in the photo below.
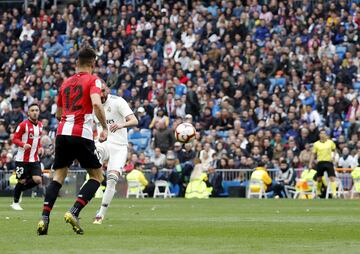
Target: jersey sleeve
(20, 130)
(333, 146)
(95, 86)
(124, 108)
(314, 148)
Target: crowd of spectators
(257, 79)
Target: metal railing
(76, 179)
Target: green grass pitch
(188, 226)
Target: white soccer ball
(185, 132)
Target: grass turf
(188, 226)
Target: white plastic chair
(135, 189)
(256, 183)
(290, 191)
(311, 191)
(353, 190)
(339, 190)
(159, 185)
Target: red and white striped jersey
(28, 133)
(74, 99)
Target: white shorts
(116, 155)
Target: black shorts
(69, 148)
(25, 170)
(325, 166)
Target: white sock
(108, 195)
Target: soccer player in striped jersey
(28, 169)
(79, 96)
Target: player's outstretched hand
(103, 136)
(27, 146)
(116, 126)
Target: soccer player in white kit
(119, 116)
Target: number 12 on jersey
(71, 104)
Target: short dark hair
(87, 56)
(261, 164)
(33, 104)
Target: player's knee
(37, 180)
(112, 178)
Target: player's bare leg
(86, 193)
(112, 179)
(51, 194)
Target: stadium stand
(244, 70)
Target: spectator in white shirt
(312, 116)
(158, 158)
(206, 156)
(179, 108)
(188, 38)
(347, 160)
(26, 31)
(169, 47)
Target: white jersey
(116, 110)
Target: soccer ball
(185, 132)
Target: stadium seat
(300, 193)
(281, 82)
(135, 135)
(226, 185)
(356, 85)
(145, 133)
(340, 51)
(339, 191)
(140, 144)
(260, 193)
(223, 134)
(353, 189)
(159, 185)
(134, 189)
(62, 38)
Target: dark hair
(261, 164)
(86, 56)
(33, 104)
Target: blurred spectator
(246, 75)
(144, 119)
(158, 158)
(164, 138)
(346, 159)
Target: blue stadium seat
(281, 82)
(356, 85)
(140, 144)
(135, 135)
(68, 46)
(226, 185)
(341, 50)
(145, 133)
(223, 134)
(62, 38)
(272, 81)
